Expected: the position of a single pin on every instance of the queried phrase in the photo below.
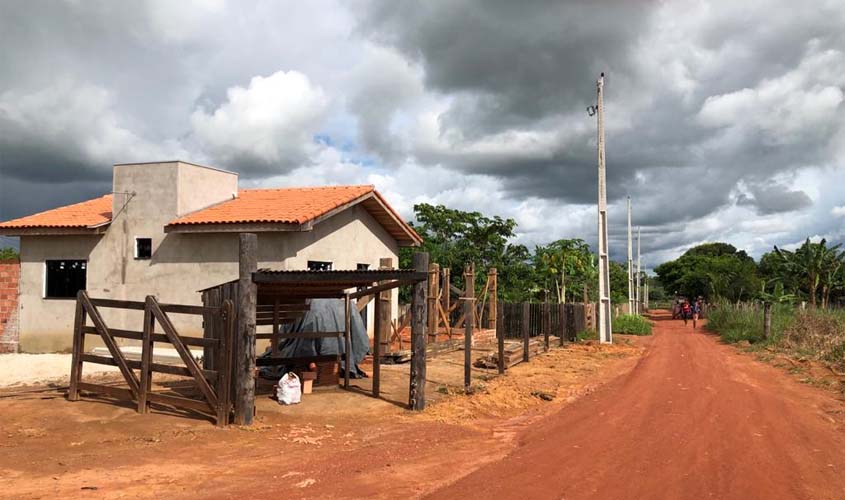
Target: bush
(819, 334)
(735, 323)
(631, 324)
(584, 335)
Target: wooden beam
(381, 326)
(493, 285)
(347, 340)
(445, 299)
(78, 349)
(416, 392)
(469, 319)
(108, 340)
(525, 324)
(431, 304)
(547, 324)
(500, 336)
(247, 291)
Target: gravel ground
(31, 369)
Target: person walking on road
(696, 311)
(686, 311)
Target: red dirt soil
(691, 418)
(694, 419)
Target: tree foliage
(711, 270)
(814, 270)
(8, 253)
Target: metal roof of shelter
(303, 284)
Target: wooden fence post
(469, 321)
(446, 299)
(78, 349)
(381, 329)
(500, 335)
(547, 324)
(247, 297)
(525, 324)
(493, 286)
(416, 396)
(147, 356)
(561, 323)
(767, 320)
(433, 290)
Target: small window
(64, 278)
(143, 248)
(318, 265)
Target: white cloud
(268, 125)
(838, 211)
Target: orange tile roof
(285, 205)
(89, 213)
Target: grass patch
(585, 335)
(631, 324)
(744, 322)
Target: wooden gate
(213, 385)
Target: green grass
(631, 324)
(585, 335)
(744, 322)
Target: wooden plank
(433, 290)
(139, 306)
(247, 298)
(108, 340)
(300, 335)
(348, 278)
(381, 329)
(226, 327)
(274, 338)
(146, 358)
(525, 323)
(156, 337)
(282, 307)
(78, 349)
(184, 353)
(500, 335)
(347, 340)
(469, 316)
(547, 325)
(416, 391)
(561, 323)
(209, 327)
(362, 302)
(493, 314)
(154, 367)
(115, 392)
(387, 285)
(179, 402)
(445, 298)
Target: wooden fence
(213, 385)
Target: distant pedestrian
(686, 311)
(696, 311)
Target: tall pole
(604, 326)
(638, 272)
(631, 305)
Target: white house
(170, 229)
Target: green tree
(8, 253)
(817, 267)
(454, 238)
(565, 266)
(711, 270)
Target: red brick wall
(10, 273)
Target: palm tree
(811, 263)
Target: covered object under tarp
(324, 315)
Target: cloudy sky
(725, 120)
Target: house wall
(181, 263)
(10, 270)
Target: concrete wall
(181, 264)
(10, 271)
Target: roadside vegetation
(631, 324)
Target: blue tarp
(325, 315)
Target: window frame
(136, 253)
(46, 279)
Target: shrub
(819, 334)
(631, 324)
(735, 323)
(584, 335)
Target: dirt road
(694, 419)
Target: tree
(817, 265)
(454, 238)
(8, 253)
(711, 270)
(566, 265)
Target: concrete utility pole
(632, 307)
(638, 272)
(604, 325)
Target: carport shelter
(278, 297)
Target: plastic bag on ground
(289, 390)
